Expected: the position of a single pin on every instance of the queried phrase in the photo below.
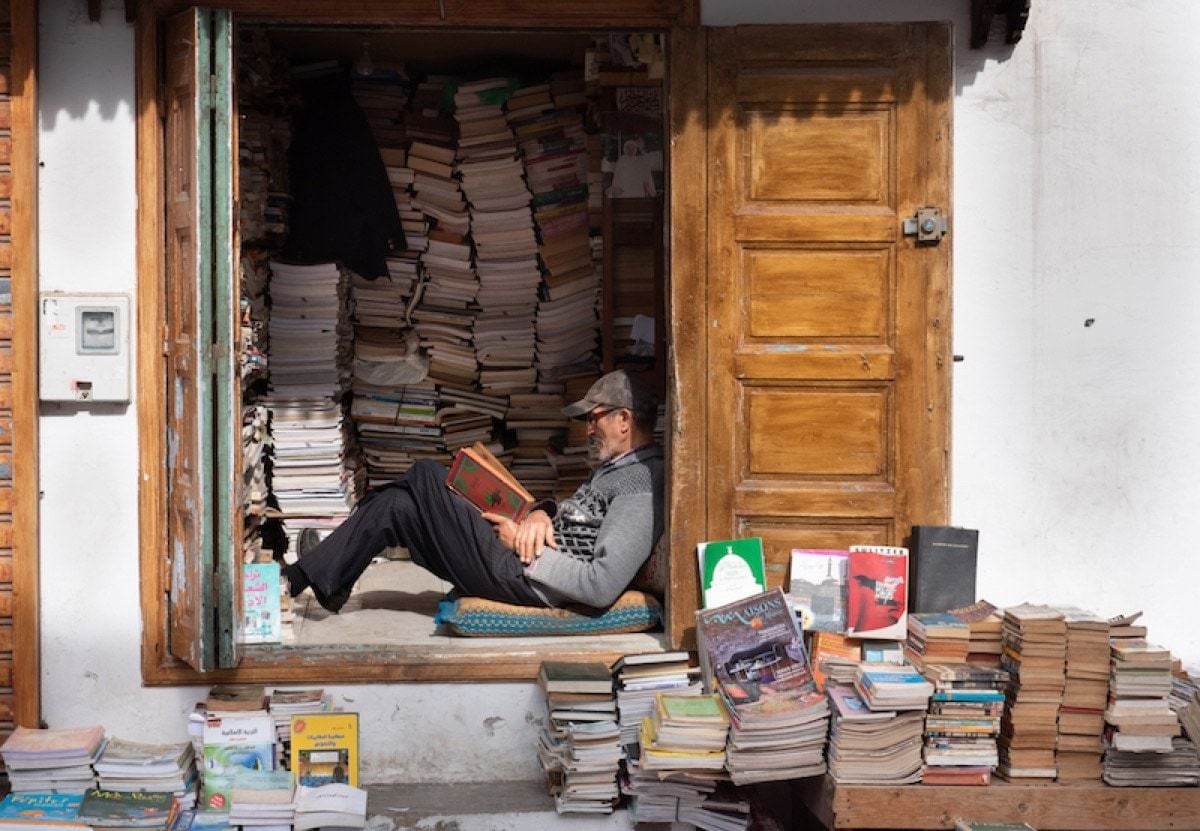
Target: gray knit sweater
(604, 532)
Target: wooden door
(827, 329)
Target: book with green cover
(691, 708)
(128, 809)
(731, 570)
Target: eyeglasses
(594, 416)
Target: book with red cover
(877, 604)
(482, 480)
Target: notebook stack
(936, 638)
(579, 750)
(870, 746)
(1081, 716)
(1035, 653)
(984, 623)
(315, 476)
(963, 723)
(639, 680)
(699, 798)
(263, 801)
(127, 765)
(52, 759)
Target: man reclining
(583, 551)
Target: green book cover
(691, 707)
(731, 570)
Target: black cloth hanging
(342, 203)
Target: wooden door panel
(827, 334)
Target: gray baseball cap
(617, 389)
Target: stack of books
(579, 750)
(936, 638)
(753, 655)
(315, 475)
(264, 131)
(56, 759)
(263, 801)
(703, 799)
(963, 723)
(1035, 654)
(869, 746)
(287, 703)
(684, 733)
(336, 805)
(892, 686)
(127, 765)
(1138, 715)
(233, 742)
(255, 488)
(984, 643)
(102, 808)
(835, 658)
(639, 680)
(1081, 716)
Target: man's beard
(599, 450)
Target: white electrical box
(83, 346)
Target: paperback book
(325, 749)
(731, 570)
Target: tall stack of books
(936, 638)
(753, 656)
(127, 765)
(984, 643)
(315, 475)
(52, 759)
(1035, 653)
(869, 746)
(1081, 716)
(641, 677)
(255, 489)
(283, 704)
(698, 798)
(963, 723)
(579, 750)
(835, 658)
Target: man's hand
(528, 538)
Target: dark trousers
(442, 532)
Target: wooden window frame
(686, 176)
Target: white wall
(1075, 173)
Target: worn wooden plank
(7, 710)
(27, 662)
(6, 255)
(5, 150)
(6, 428)
(5, 114)
(6, 603)
(6, 324)
(6, 500)
(5, 395)
(6, 184)
(1089, 806)
(472, 13)
(6, 671)
(5, 220)
(6, 567)
(687, 402)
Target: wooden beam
(26, 640)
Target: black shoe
(308, 539)
(332, 602)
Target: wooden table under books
(1068, 806)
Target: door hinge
(928, 226)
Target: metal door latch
(928, 226)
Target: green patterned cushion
(634, 611)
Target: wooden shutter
(198, 280)
(827, 329)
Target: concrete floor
(393, 604)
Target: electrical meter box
(83, 347)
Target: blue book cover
(968, 695)
(41, 807)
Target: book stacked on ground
(1185, 701)
(753, 656)
(336, 805)
(700, 798)
(985, 624)
(1035, 654)
(41, 811)
(1085, 696)
(103, 808)
(834, 657)
(314, 472)
(127, 765)
(263, 800)
(1139, 717)
(53, 758)
(287, 703)
(233, 742)
(640, 677)
(683, 733)
(872, 746)
(936, 638)
(579, 750)
(963, 723)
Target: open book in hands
(482, 480)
